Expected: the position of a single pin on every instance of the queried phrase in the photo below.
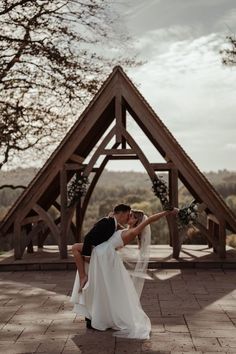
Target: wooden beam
(98, 152)
(134, 146)
(173, 198)
(30, 220)
(47, 218)
(213, 218)
(166, 166)
(79, 222)
(63, 234)
(124, 157)
(30, 236)
(208, 233)
(118, 152)
(210, 228)
(17, 240)
(73, 166)
(222, 239)
(118, 115)
(173, 187)
(76, 158)
(124, 119)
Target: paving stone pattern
(192, 311)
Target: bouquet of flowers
(188, 215)
(77, 189)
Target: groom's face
(124, 217)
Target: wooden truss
(107, 113)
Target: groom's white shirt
(116, 223)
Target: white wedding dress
(110, 298)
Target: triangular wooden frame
(117, 96)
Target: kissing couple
(104, 292)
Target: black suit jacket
(100, 233)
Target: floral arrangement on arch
(160, 189)
(186, 215)
(77, 189)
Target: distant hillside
(111, 179)
(18, 176)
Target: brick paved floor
(192, 311)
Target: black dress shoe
(88, 323)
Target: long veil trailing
(139, 274)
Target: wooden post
(30, 247)
(210, 227)
(173, 195)
(17, 240)
(63, 230)
(79, 221)
(214, 230)
(120, 114)
(222, 239)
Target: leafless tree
(50, 64)
(229, 54)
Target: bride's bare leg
(79, 260)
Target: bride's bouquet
(188, 214)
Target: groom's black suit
(100, 233)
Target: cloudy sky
(183, 78)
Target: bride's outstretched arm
(130, 234)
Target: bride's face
(132, 220)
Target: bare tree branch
(229, 54)
(50, 64)
(11, 186)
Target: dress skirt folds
(109, 298)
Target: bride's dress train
(110, 298)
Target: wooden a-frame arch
(116, 97)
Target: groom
(105, 228)
(99, 233)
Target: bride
(110, 298)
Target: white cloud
(194, 95)
(230, 146)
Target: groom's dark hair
(121, 208)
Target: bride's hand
(174, 211)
